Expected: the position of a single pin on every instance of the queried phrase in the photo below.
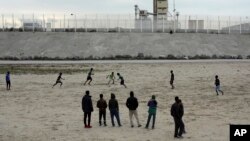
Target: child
(89, 78)
(111, 77)
(58, 80)
(122, 80)
(217, 85)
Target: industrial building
(158, 19)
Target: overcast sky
(185, 7)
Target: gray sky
(185, 7)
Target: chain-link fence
(123, 23)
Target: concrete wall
(19, 44)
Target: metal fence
(123, 23)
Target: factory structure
(156, 19)
(161, 18)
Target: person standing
(111, 77)
(152, 104)
(102, 105)
(122, 80)
(89, 78)
(172, 79)
(7, 78)
(87, 108)
(58, 80)
(217, 85)
(182, 114)
(132, 105)
(177, 114)
(114, 110)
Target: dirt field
(32, 110)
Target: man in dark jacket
(102, 105)
(87, 108)
(114, 110)
(177, 113)
(132, 105)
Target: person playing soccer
(89, 78)
(122, 80)
(59, 78)
(111, 77)
(217, 85)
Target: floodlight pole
(174, 14)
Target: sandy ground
(32, 110)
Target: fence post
(196, 25)
(207, 25)
(218, 24)
(152, 25)
(23, 21)
(33, 26)
(3, 21)
(44, 30)
(75, 23)
(185, 23)
(240, 25)
(64, 22)
(118, 21)
(85, 21)
(13, 23)
(130, 23)
(107, 26)
(141, 23)
(229, 26)
(54, 19)
(174, 23)
(96, 19)
(163, 24)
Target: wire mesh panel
(124, 23)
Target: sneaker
(153, 127)
(85, 126)
(139, 125)
(105, 124)
(89, 126)
(179, 137)
(132, 126)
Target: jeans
(115, 113)
(149, 118)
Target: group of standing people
(177, 111)
(113, 106)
